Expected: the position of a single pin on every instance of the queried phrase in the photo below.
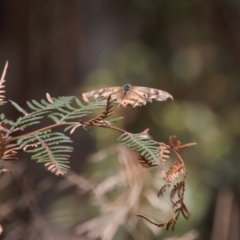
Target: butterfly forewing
(152, 93)
(103, 93)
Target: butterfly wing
(103, 93)
(138, 96)
(134, 96)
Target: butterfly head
(125, 89)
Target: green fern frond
(26, 120)
(114, 120)
(141, 143)
(20, 109)
(74, 110)
(50, 148)
(5, 121)
(53, 104)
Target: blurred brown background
(189, 48)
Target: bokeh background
(190, 49)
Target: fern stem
(40, 130)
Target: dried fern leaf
(146, 163)
(163, 189)
(164, 224)
(177, 189)
(2, 80)
(176, 170)
(176, 144)
(7, 151)
(106, 113)
(163, 152)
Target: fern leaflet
(2, 80)
(50, 148)
(141, 143)
(74, 110)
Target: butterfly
(127, 95)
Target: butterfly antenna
(139, 77)
(124, 78)
(133, 79)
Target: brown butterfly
(127, 94)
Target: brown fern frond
(7, 151)
(178, 207)
(145, 163)
(178, 189)
(100, 119)
(176, 144)
(175, 170)
(54, 168)
(2, 80)
(163, 189)
(163, 152)
(164, 224)
(182, 210)
(154, 223)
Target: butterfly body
(125, 89)
(127, 95)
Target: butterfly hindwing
(134, 98)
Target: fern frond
(176, 144)
(7, 151)
(178, 206)
(178, 189)
(56, 106)
(146, 163)
(175, 171)
(2, 80)
(6, 125)
(177, 192)
(163, 189)
(46, 105)
(25, 121)
(164, 152)
(74, 110)
(143, 144)
(106, 113)
(54, 168)
(165, 224)
(48, 147)
(98, 121)
(19, 108)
